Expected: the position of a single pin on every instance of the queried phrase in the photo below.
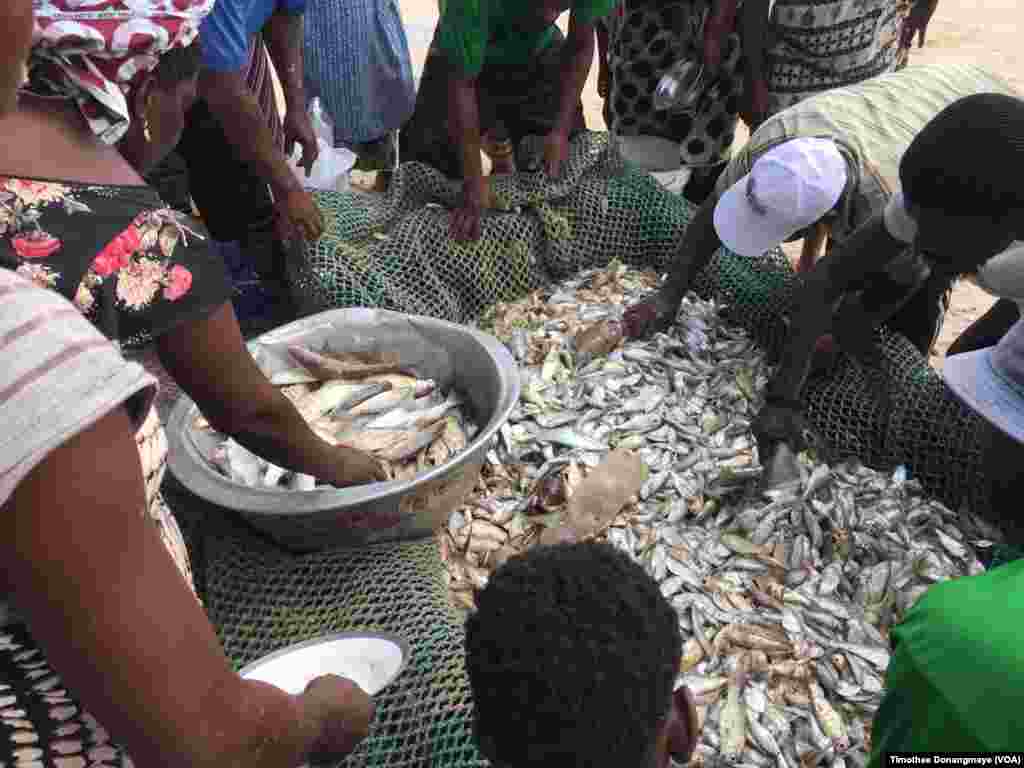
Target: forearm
(466, 126)
(209, 360)
(245, 127)
(577, 56)
(283, 33)
(754, 23)
(142, 654)
(868, 250)
(699, 244)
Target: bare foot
(652, 315)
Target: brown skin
(83, 554)
(239, 114)
(206, 356)
(956, 244)
(577, 56)
(917, 22)
(717, 27)
(755, 28)
(700, 242)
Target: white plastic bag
(332, 166)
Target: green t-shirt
(502, 32)
(956, 678)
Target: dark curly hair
(572, 657)
(969, 158)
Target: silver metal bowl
(475, 364)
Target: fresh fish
(327, 398)
(403, 418)
(360, 396)
(569, 438)
(732, 723)
(392, 398)
(326, 368)
(798, 581)
(301, 482)
(291, 376)
(412, 443)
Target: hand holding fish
(354, 467)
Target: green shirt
(956, 678)
(502, 32)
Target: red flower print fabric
(133, 266)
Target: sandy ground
(983, 32)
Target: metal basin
(476, 365)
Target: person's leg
(529, 96)
(702, 182)
(988, 329)
(426, 137)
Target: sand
(985, 33)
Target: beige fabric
(873, 122)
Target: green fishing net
(395, 253)
(261, 599)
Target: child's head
(572, 655)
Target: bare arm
(699, 244)
(283, 33)
(754, 31)
(465, 128)
(868, 250)
(577, 56)
(118, 623)
(209, 360)
(239, 114)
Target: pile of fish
(784, 596)
(372, 405)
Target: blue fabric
(227, 31)
(357, 61)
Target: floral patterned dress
(133, 266)
(136, 269)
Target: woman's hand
(344, 712)
(916, 23)
(353, 467)
(465, 221)
(298, 215)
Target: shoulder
(58, 376)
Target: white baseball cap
(1003, 274)
(790, 187)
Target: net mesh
(261, 599)
(394, 252)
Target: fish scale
(839, 536)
